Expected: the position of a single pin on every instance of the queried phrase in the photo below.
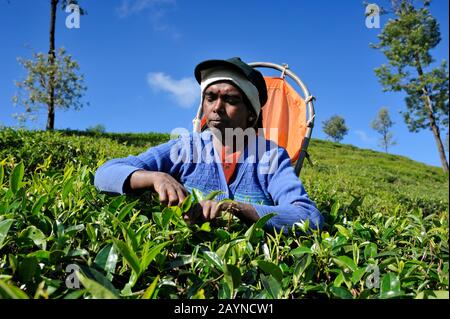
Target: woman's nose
(218, 105)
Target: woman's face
(224, 107)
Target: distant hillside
(381, 178)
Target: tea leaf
(8, 291)
(107, 258)
(125, 210)
(390, 286)
(150, 291)
(272, 286)
(151, 254)
(232, 276)
(15, 180)
(341, 292)
(36, 235)
(95, 289)
(214, 259)
(346, 263)
(271, 269)
(129, 255)
(433, 294)
(2, 174)
(4, 228)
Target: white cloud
(364, 137)
(161, 25)
(185, 92)
(129, 7)
(157, 14)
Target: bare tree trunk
(434, 128)
(436, 132)
(51, 60)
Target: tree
(406, 42)
(44, 75)
(99, 128)
(67, 87)
(382, 123)
(51, 63)
(52, 59)
(335, 128)
(446, 142)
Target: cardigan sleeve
(292, 203)
(111, 176)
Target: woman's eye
(233, 101)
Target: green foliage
(335, 128)
(409, 38)
(65, 3)
(382, 180)
(436, 85)
(135, 139)
(382, 123)
(386, 233)
(62, 75)
(99, 128)
(407, 41)
(53, 150)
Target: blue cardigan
(264, 176)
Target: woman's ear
(252, 120)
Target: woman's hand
(209, 210)
(170, 191)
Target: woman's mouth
(216, 122)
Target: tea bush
(380, 240)
(35, 147)
(136, 139)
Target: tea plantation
(386, 232)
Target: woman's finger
(163, 197)
(210, 209)
(184, 190)
(172, 196)
(206, 205)
(215, 210)
(181, 196)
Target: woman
(227, 155)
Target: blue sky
(138, 58)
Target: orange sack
(285, 114)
